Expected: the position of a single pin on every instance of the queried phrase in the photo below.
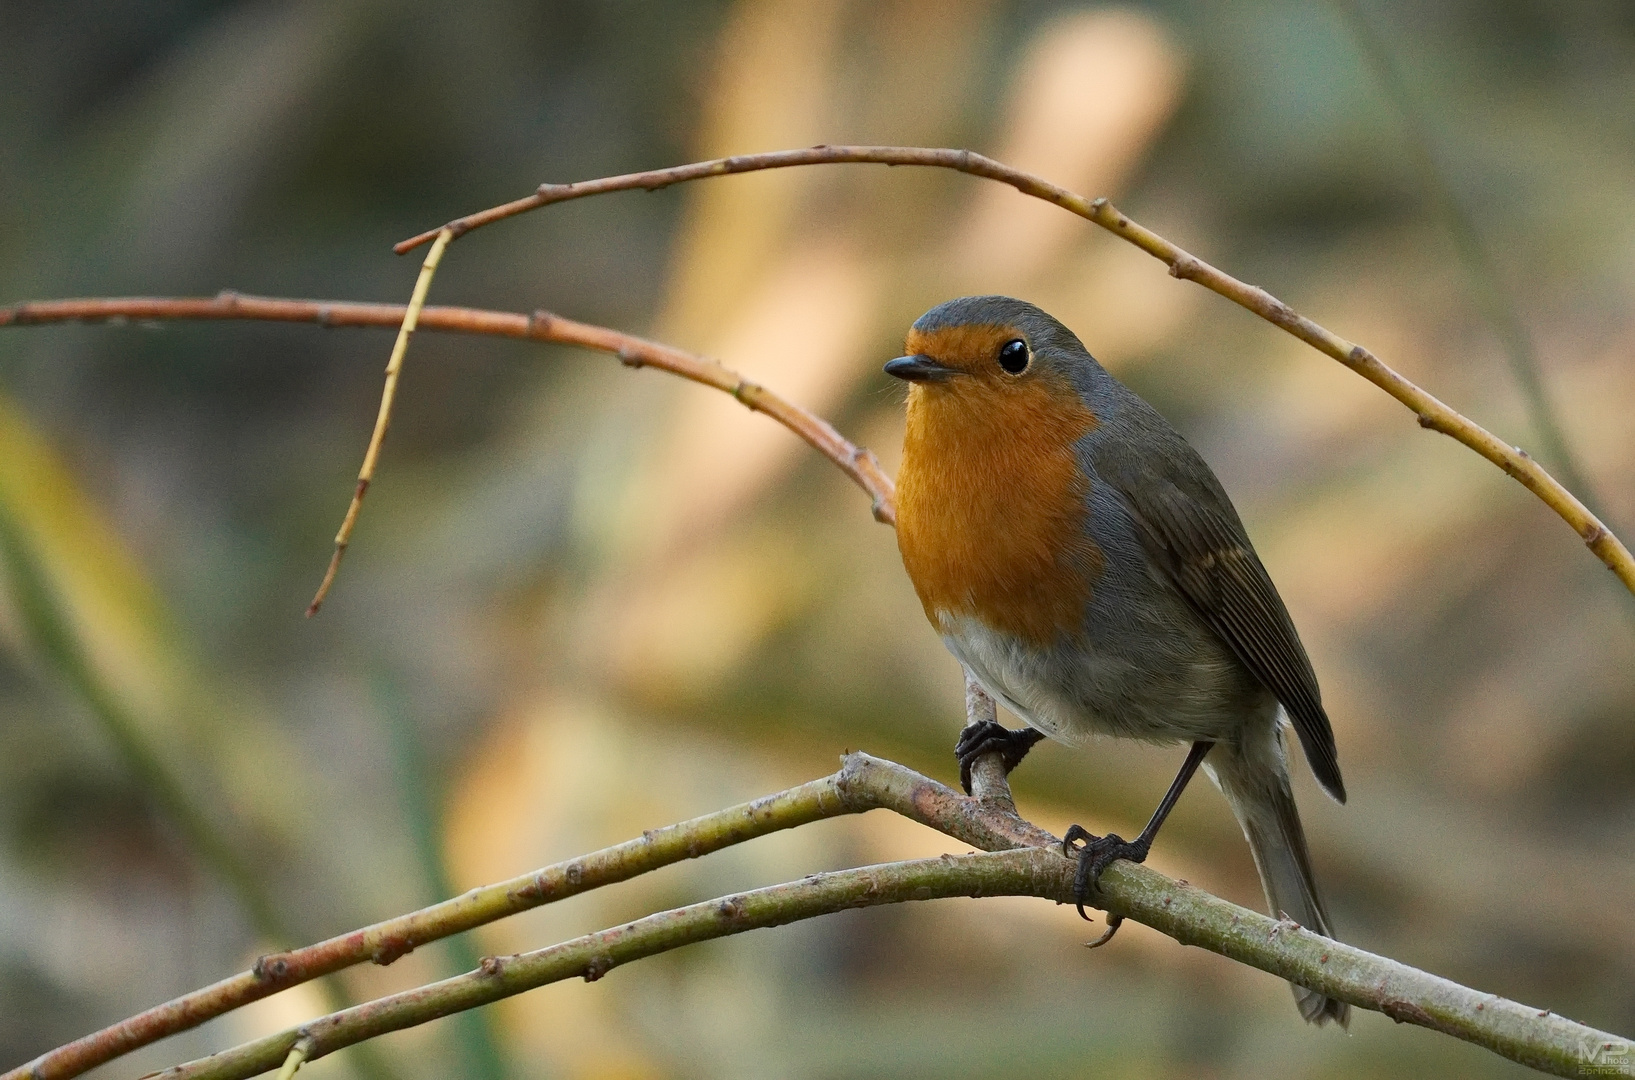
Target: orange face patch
(970, 348)
(991, 501)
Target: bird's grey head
(991, 337)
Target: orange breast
(991, 504)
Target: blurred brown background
(584, 601)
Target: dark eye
(1014, 357)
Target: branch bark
(1021, 860)
(385, 942)
(981, 825)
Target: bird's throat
(992, 507)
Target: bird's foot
(1094, 854)
(988, 737)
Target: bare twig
(385, 942)
(989, 780)
(1193, 917)
(857, 462)
(653, 179)
(1431, 412)
(383, 419)
(1009, 873)
(864, 783)
(296, 1058)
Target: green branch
(1028, 862)
(864, 783)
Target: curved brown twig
(1431, 412)
(857, 462)
(653, 179)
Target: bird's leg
(983, 734)
(1095, 852)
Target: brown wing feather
(1210, 561)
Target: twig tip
(1113, 923)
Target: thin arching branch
(855, 461)
(1029, 863)
(1432, 413)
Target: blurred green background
(583, 601)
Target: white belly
(1073, 694)
(1013, 677)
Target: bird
(1086, 567)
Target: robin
(1086, 567)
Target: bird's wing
(1209, 560)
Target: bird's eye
(1014, 356)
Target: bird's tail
(1257, 786)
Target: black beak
(920, 369)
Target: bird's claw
(989, 737)
(1094, 853)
